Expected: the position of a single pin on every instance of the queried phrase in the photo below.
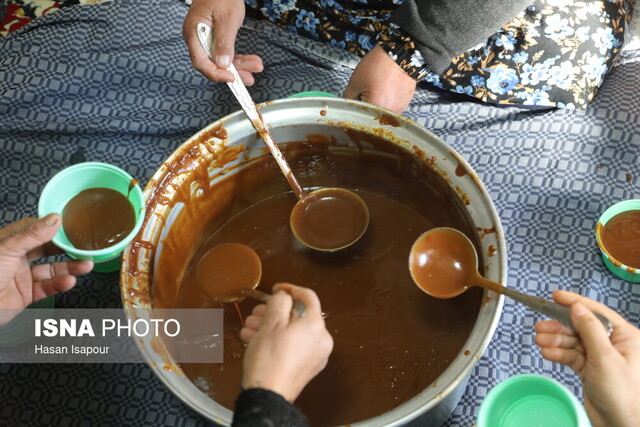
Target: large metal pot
(293, 120)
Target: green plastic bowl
(313, 93)
(625, 272)
(531, 400)
(82, 176)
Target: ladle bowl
(225, 272)
(444, 263)
(230, 272)
(329, 219)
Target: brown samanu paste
(97, 218)
(391, 339)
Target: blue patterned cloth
(115, 79)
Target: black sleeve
(443, 29)
(257, 407)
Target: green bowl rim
(494, 393)
(627, 271)
(313, 93)
(114, 250)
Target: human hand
(285, 351)
(225, 18)
(609, 368)
(21, 284)
(380, 81)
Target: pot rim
(339, 108)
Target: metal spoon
(443, 263)
(230, 272)
(348, 215)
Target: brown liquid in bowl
(621, 237)
(391, 339)
(97, 218)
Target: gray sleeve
(443, 29)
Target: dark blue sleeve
(443, 29)
(257, 407)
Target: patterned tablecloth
(115, 80)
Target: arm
(425, 36)
(442, 30)
(259, 407)
(380, 81)
(284, 353)
(609, 368)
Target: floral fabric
(15, 14)
(554, 54)
(356, 25)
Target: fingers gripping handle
(556, 311)
(205, 34)
(298, 306)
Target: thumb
(278, 311)
(224, 42)
(591, 332)
(366, 96)
(395, 101)
(304, 295)
(35, 235)
(351, 92)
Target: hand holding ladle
(328, 219)
(443, 263)
(230, 272)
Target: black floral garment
(554, 54)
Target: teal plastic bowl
(531, 400)
(625, 272)
(313, 93)
(82, 176)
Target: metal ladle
(444, 263)
(328, 219)
(230, 272)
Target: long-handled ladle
(443, 262)
(230, 272)
(328, 219)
